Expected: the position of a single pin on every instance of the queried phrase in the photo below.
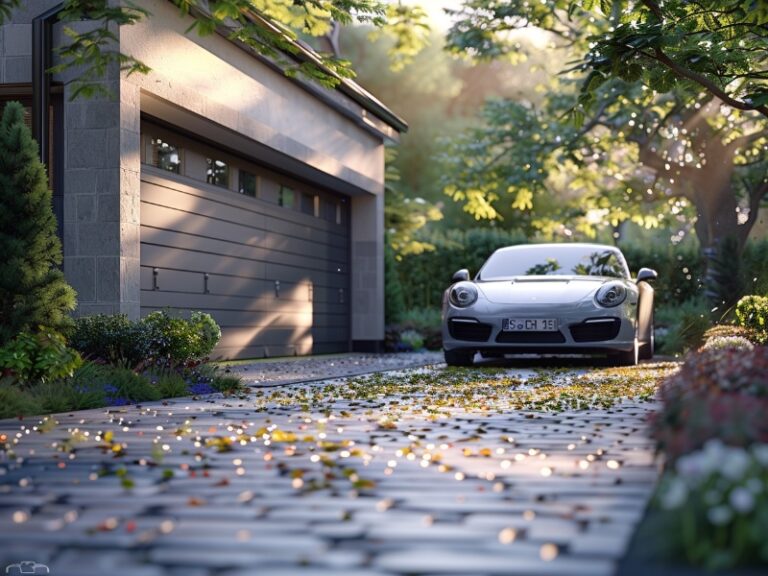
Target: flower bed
(713, 432)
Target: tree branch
(705, 82)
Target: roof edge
(306, 54)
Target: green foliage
(425, 276)
(40, 357)
(394, 305)
(117, 340)
(126, 384)
(112, 338)
(644, 137)
(84, 390)
(730, 331)
(210, 332)
(752, 313)
(15, 402)
(179, 340)
(33, 291)
(681, 326)
(413, 339)
(171, 385)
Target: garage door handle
(205, 284)
(341, 295)
(155, 274)
(277, 288)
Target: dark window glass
(328, 210)
(286, 197)
(309, 204)
(247, 183)
(217, 173)
(166, 156)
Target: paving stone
(442, 561)
(211, 520)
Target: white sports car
(550, 299)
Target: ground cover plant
(113, 361)
(713, 434)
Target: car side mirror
(461, 276)
(646, 274)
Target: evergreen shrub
(33, 292)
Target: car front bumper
(583, 328)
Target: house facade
(214, 182)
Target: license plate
(529, 325)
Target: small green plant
(15, 402)
(413, 339)
(210, 332)
(124, 386)
(84, 390)
(41, 357)
(171, 385)
(752, 313)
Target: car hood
(541, 289)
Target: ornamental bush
(33, 291)
(718, 393)
(752, 313)
(111, 338)
(115, 339)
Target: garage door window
(286, 197)
(217, 173)
(247, 183)
(166, 156)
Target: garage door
(272, 269)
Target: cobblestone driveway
(313, 480)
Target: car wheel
(649, 346)
(459, 357)
(630, 357)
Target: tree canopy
(663, 107)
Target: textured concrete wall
(101, 176)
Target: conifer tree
(33, 292)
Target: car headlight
(611, 294)
(463, 294)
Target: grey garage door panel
(216, 199)
(273, 336)
(319, 260)
(281, 220)
(330, 334)
(159, 300)
(163, 257)
(266, 351)
(165, 218)
(330, 347)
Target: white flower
(674, 495)
(719, 515)
(735, 464)
(742, 500)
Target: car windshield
(548, 260)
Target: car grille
(469, 330)
(596, 330)
(530, 338)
